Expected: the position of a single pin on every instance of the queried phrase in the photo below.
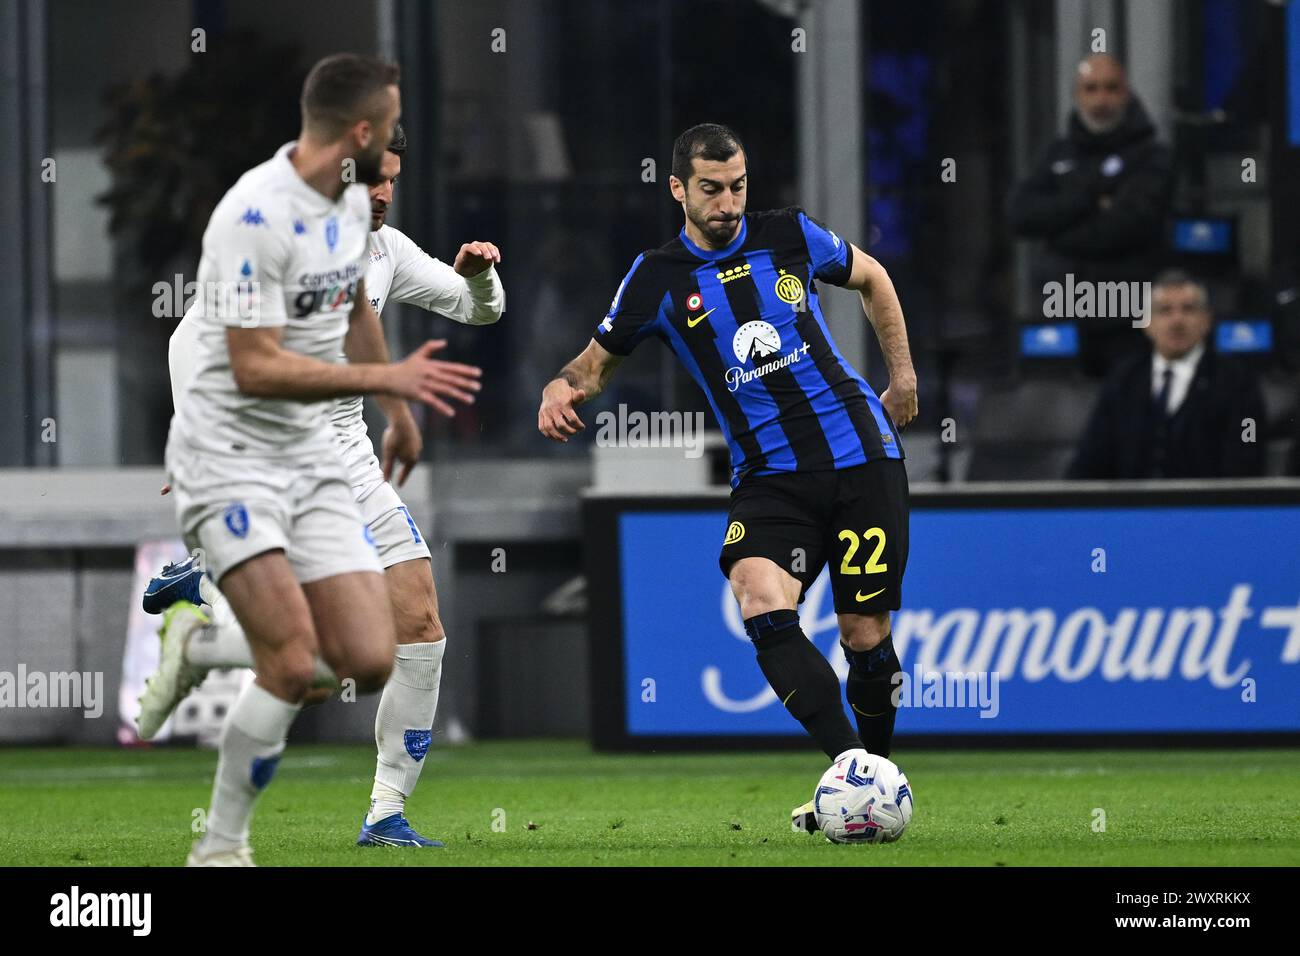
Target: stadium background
(541, 147)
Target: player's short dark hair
(1171, 278)
(711, 141)
(341, 89)
(398, 145)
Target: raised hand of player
(557, 418)
(475, 257)
(899, 400)
(421, 378)
(401, 442)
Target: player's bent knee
(429, 633)
(756, 596)
(423, 627)
(317, 695)
(368, 669)
(753, 605)
(372, 679)
(288, 676)
(862, 632)
(760, 587)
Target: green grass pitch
(561, 804)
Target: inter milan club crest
(789, 289)
(332, 232)
(236, 517)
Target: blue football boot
(391, 831)
(178, 582)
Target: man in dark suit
(1180, 411)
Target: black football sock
(803, 679)
(870, 691)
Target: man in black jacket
(1099, 197)
(1180, 411)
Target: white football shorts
(397, 537)
(235, 508)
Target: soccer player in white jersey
(397, 270)
(252, 459)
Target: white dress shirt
(1184, 370)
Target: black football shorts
(855, 518)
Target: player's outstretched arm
(469, 292)
(581, 380)
(880, 302)
(263, 368)
(365, 342)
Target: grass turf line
(563, 805)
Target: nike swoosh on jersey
(869, 596)
(692, 323)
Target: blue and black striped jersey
(747, 324)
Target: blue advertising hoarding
(1059, 620)
(1055, 340)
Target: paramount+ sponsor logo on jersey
(325, 291)
(754, 343)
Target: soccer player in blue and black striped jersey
(817, 464)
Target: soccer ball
(863, 798)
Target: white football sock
(222, 644)
(209, 591)
(404, 725)
(250, 749)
